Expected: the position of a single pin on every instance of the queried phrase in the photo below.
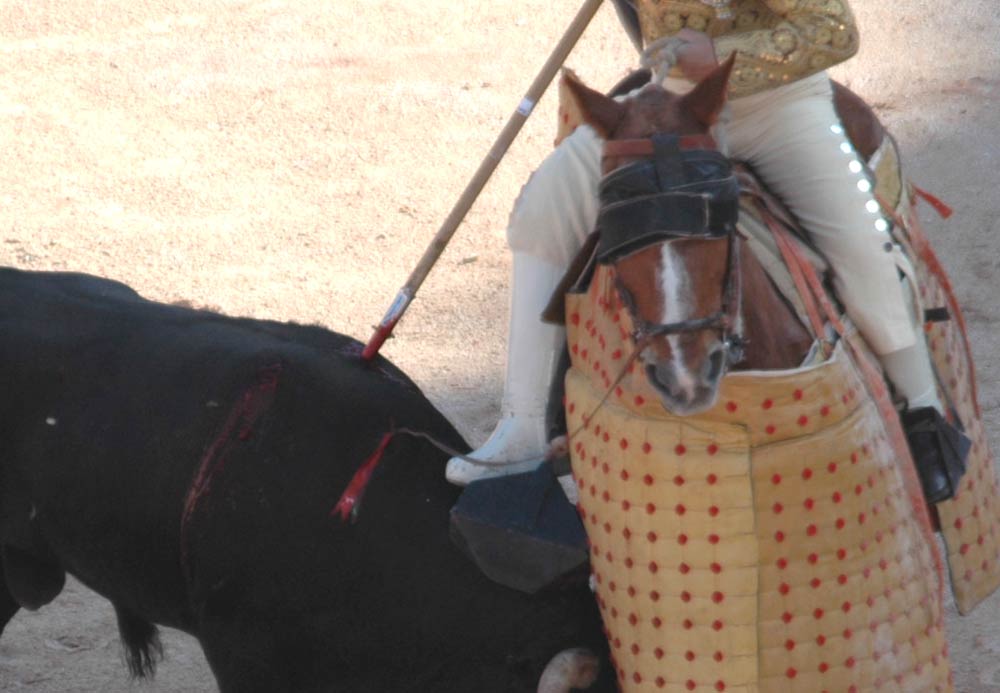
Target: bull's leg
(293, 652)
(8, 607)
(31, 581)
(242, 661)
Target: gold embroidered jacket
(777, 41)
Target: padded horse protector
(773, 543)
(768, 544)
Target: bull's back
(117, 408)
(185, 465)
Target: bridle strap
(724, 320)
(732, 301)
(645, 147)
(717, 320)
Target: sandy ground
(291, 160)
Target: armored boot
(909, 370)
(939, 447)
(520, 439)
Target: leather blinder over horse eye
(675, 193)
(679, 193)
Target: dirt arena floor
(291, 160)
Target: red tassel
(355, 490)
(940, 207)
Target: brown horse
(699, 298)
(705, 531)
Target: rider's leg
(552, 217)
(519, 439)
(793, 138)
(909, 370)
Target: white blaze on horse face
(674, 285)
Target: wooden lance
(475, 186)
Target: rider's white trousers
(792, 138)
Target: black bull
(184, 465)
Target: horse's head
(667, 221)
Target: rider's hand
(696, 56)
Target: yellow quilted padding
(768, 544)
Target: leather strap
(795, 262)
(874, 381)
(922, 247)
(667, 159)
(813, 281)
(645, 147)
(940, 207)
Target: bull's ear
(706, 100)
(597, 110)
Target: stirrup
(521, 530)
(939, 451)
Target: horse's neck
(776, 338)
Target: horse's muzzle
(685, 392)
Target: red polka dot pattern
(761, 571)
(970, 523)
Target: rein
(655, 197)
(569, 435)
(350, 501)
(348, 507)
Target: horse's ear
(597, 110)
(706, 100)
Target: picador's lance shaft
(479, 179)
